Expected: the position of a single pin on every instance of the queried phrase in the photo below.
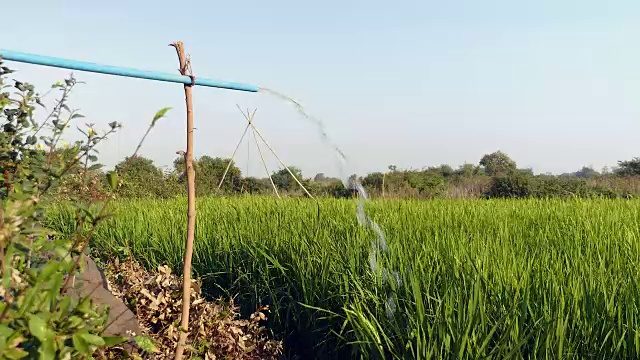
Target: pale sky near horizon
(553, 83)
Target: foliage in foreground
(42, 314)
(39, 317)
(461, 279)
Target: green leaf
(64, 306)
(39, 328)
(75, 321)
(6, 331)
(95, 167)
(92, 339)
(47, 349)
(112, 177)
(111, 341)
(92, 158)
(159, 115)
(14, 354)
(14, 340)
(80, 344)
(77, 116)
(84, 306)
(3, 344)
(146, 344)
(48, 270)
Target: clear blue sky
(554, 83)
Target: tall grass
(498, 279)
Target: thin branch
(266, 169)
(233, 155)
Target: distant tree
(178, 167)
(468, 170)
(373, 181)
(586, 172)
(526, 171)
(392, 168)
(446, 170)
(429, 183)
(336, 189)
(254, 185)
(319, 177)
(497, 163)
(210, 170)
(284, 180)
(628, 168)
(513, 185)
(142, 177)
(139, 168)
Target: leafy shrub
(568, 186)
(38, 319)
(39, 316)
(560, 186)
(514, 185)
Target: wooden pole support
(191, 206)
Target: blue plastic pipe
(119, 71)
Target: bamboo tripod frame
(256, 133)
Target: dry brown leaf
(216, 324)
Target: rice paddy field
(555, 279)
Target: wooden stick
(191, 207)
(233, 155)
(266, 169)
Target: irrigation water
(379, 246)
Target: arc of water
(379, 245)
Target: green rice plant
(475, 278)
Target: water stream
(379, 244)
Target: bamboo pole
(191, 200)
(266, 169)
(233, 155)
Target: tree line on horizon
(495, 176)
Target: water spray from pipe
(379, 244)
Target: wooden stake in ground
(185, 69)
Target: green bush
(39, 318)
(561, 186)
(513, 185)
